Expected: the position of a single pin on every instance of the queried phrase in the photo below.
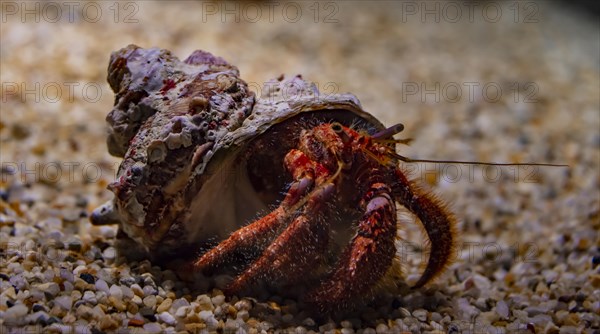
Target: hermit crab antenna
(389, 132)
(409, 160)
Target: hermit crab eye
(337, 127)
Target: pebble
(67, 275)
(84, 312)
(116, 291)
(482, 282)
(180, 302)
(137, 300)
(541, 319)
(150, 301)
(164, 306)
(109, 255)
(107, 323)
(15, 312)
(117, 303)
(57, 236)
(466, 310)
(182, 311)
(502, 309)
(39, 317)
(404, 313)
(74, 244)
(50, 288)
(205, 303)
(436, 317)
(147, 313)
(106, 275)
(64, 302)
(568, 330)
(68, 286)
(137, 290)
(231, 325)
(132, 308)
(218, 300)
(243, 304)
(18, 281)
(101, 285)
(535, 310)
(309, 322)
(59, 328)
(149, 280)
(98, 312)
(168, 285)
(551, 328)
(167, 318)
(382, 329)
(152, 327)
(126, 281)
(109, 232)
(149, 290)
(81, 285)
(135, 322)
(420, 314)
(38, 307)
(205, 315)
(244, 315)
(76, 295)
(327, 327)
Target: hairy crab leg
(439, 224)
(263, 230)
(368, 256)
(296, 251)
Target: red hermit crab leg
(297, 250)
(262, 230)
(369, 255)
(305, 240)
(259, 232)
(304, 171)
(439, 224)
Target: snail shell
(202, 155)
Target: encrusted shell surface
(184, 130)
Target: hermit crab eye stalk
(337, 127)
(389, 132)
(339, 130)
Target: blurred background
(489, 81)
(502, 81)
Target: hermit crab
(304, 185)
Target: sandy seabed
(501, 81)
